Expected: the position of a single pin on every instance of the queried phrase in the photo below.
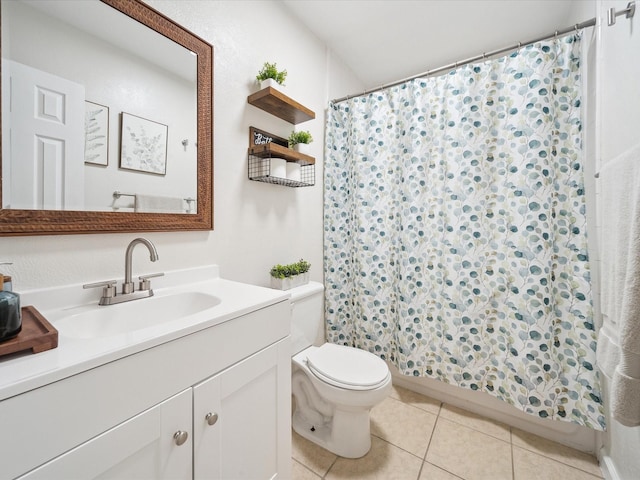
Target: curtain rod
(630, 10)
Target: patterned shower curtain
(455, 239)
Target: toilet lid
(347, 367)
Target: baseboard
(608, 466)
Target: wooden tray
(37, 334)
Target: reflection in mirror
(109, 113)
(106, 119)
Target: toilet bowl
(334, 386)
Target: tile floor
(417, 438)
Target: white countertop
(25, 371)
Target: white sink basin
(106, 321)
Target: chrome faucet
(109, 295)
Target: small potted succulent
(286, 277)
(270, 76)
(300, 141)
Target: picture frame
(96, 134)
(143, 145)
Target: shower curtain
(455, 240)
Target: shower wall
(618, 125)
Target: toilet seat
(347, 367)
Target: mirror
(145, 146)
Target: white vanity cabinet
(138, 448)
(227, 387)
(240, 419)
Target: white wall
(256, 225)
(619, 126)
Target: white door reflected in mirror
(45, 169)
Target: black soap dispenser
(10, 313)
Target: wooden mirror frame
(51, 222)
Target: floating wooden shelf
(275, 150)
(277, 103)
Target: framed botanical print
(96, 134)
(143, 145)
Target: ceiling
(384, 41)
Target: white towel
(619, 339)
(158, 204)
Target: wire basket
(260, 171)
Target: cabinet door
(251, 405)
(142, 447)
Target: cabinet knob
(211, 418)
(180, 437)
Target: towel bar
(118, 194)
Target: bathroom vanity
(205, 395)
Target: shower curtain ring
(556, 35)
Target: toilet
(334, 386)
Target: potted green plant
(300, 141)
(286, 277)
(270, 76)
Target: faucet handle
(145, 284)
(108, 287)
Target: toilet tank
(307, 316)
